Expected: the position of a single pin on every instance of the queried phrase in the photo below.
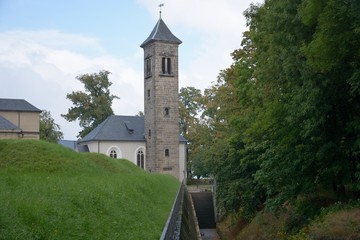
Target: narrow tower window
(167, 153)
(169, 65)
(163, 65)
(166, 112)
(113, 154)
(166, 65)
(148, 67)
(148, 93)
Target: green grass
(50, 192)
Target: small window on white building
(140, 159)
(113, 154)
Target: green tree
(284, 117)
(306, 131)
(333, 53)
(232, 105)
(140, 114)
(190, 107)
(92, 106)
(49, 130)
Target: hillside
(50, 192)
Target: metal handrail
(172, 227)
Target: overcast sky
(45, 44)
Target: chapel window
(140, 157)
(113, 154)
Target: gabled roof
(119, 128)
(18, 105)
(7, 125)
(161, 33)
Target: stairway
(204, 208)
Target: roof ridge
(161, 32)
(157, 28)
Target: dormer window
(129, 127)
(166, 66)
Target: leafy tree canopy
(283, 120)
(92, 106)
(49, 130)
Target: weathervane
(160, 5)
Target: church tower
(161, 100)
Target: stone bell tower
(161, 100)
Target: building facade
(19, 119)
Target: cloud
(41, 66)
(208, 16)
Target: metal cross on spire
(160, 5)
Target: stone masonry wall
(163, 94)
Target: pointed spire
(161, 33)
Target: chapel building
(152, 142)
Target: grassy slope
(50, 192)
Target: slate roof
(161, 33)
(7, 125)
(18, 105)
(119, 128)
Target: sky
(45, 44)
